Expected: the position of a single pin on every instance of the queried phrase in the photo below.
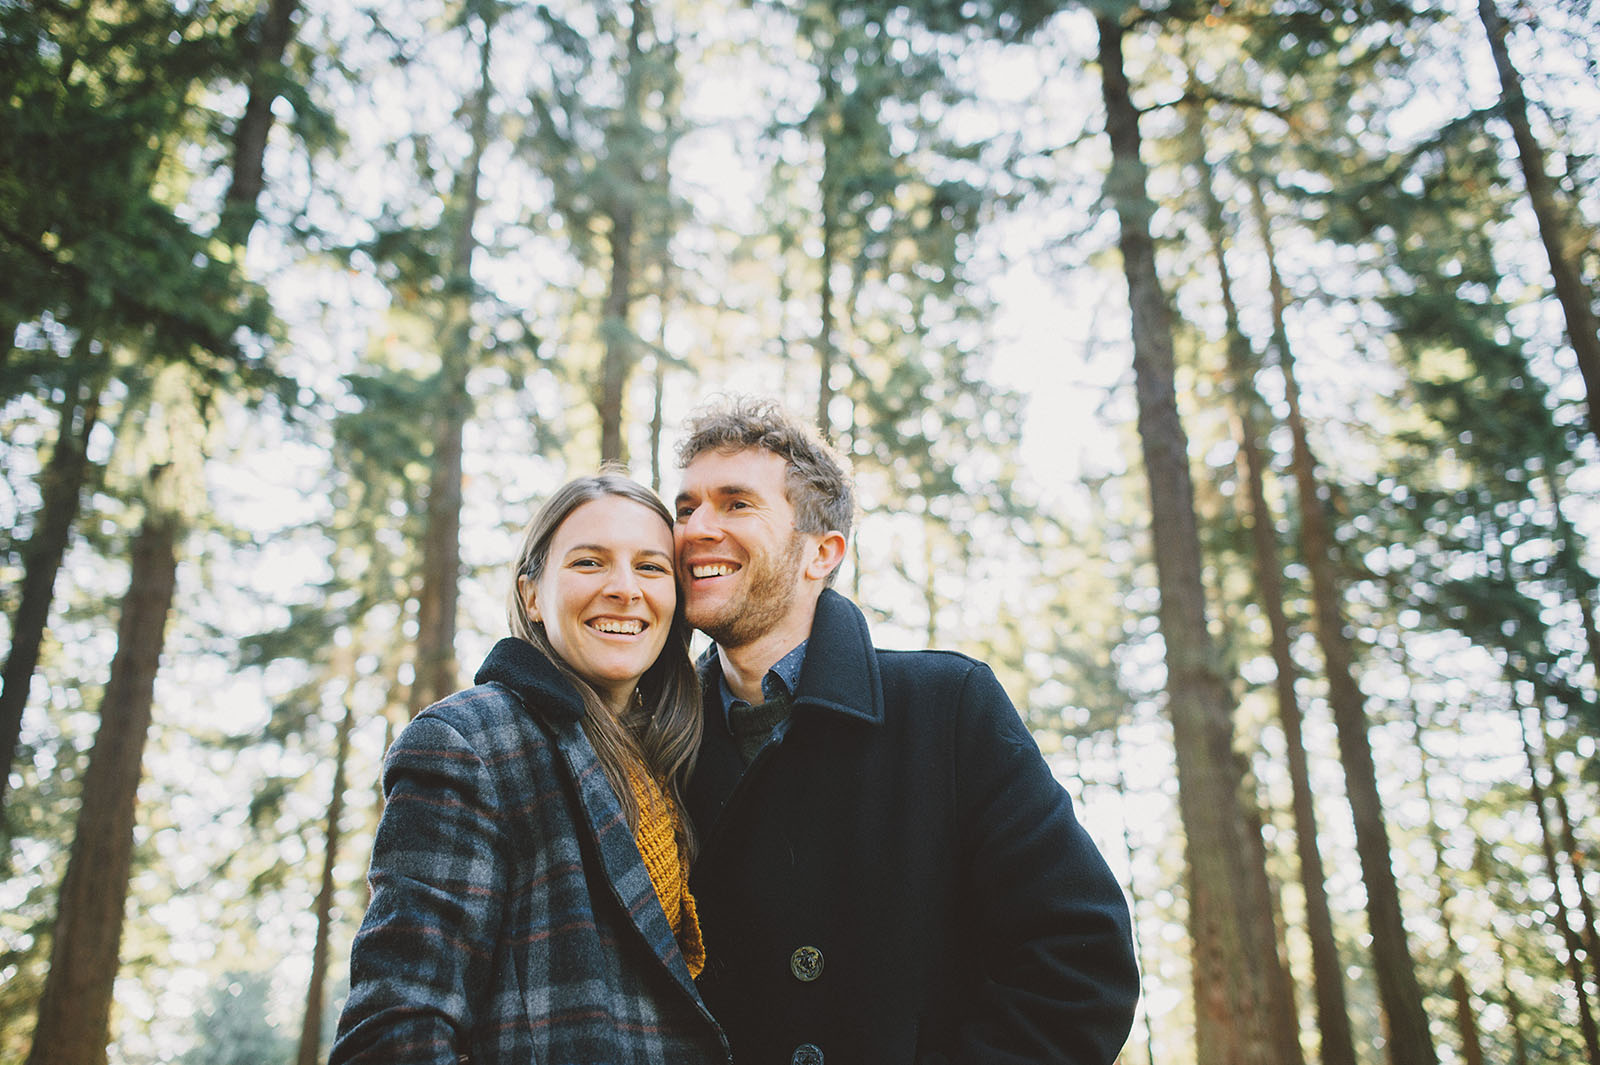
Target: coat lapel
(554, 703)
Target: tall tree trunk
(273, 29)
(61, 488)
(1333, 1017)
(1562, 918)
(311, 1027)
(1231, 928)
(1410, 1041)
(1133, 885)
(1576, 298)
(436, 673)
(74, 1025)
(616, 329)
(1460, 992)
(1575, 858)
(831, 206)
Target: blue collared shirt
(779, 680)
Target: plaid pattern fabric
(512, 919)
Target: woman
(529, 876)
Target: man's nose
(699, 524)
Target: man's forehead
(740, 471)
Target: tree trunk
(1575, 297)
(1134, 899)
(311, 1027)
(1230, 928)
(61, 489)
(1562, 918)
(616, 330)
(273, 30)
(75, 1007)
(830, 239)
(436, 674)
(1460, 992)
(1410, 1041)
(1327, 970)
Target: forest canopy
(1224, 374)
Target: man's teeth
(714, 569)
(623, 628)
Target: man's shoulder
(935, 668)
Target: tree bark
(273, 29)
(1460, 992)
(436, 672)
(1327, 970)
(311, 1027)
(1410, 1041)
(827, 261)
(61, 488)
(1576, 298)
(1231, 931)
(75, 1008)
(1562, 918)
(617, 362)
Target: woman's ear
(528, 589)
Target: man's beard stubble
(768, 594)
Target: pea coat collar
(520, 666)
(840, 672)
(841, 668)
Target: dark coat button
(806, 1054)
(806, 964)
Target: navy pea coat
(899, 880)
(512, 919)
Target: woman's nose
(623, 584)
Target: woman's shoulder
(486, 717)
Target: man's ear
(528, 590)
(826, 556)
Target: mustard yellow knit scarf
(659, 838)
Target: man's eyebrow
(719, 490)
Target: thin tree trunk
(1562, 918)
(1231, 932)
(1410, 1041)
(274, 30)
(436, 673)
(831, 207)
(1514, 1011)
(1333, 1018)
(61, 488)
(74, 1024)
(1575, 858)
(1460, 992)
(311, 1027)
(1575, 297)
(617, 362)
(1134, 899)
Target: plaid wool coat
(512, 919)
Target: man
(888, 874)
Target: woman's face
(607, 594)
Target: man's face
(739, 555)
